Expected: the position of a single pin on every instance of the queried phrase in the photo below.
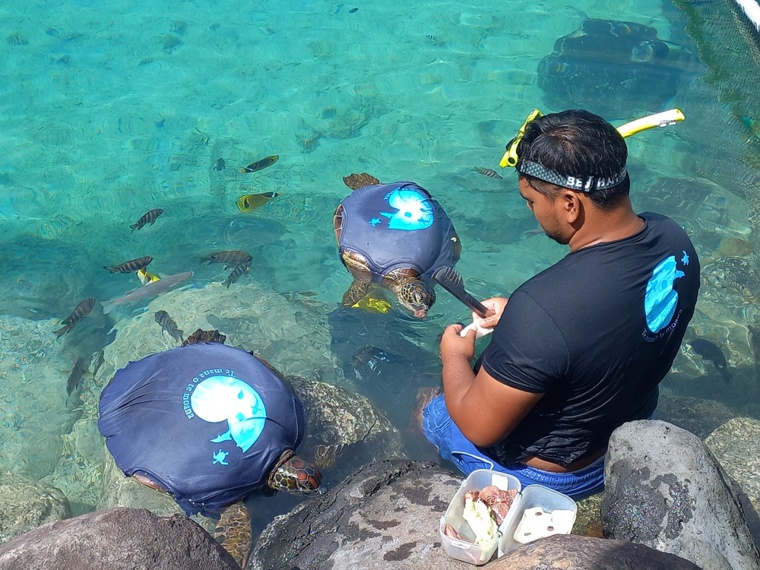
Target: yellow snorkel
(669, 117)
(510, 157)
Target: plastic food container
(467, 550)
(536, 512)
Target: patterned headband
(582, 183)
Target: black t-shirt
(595, 333)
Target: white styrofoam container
(467, 550)
(531, 497)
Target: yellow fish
(250, 202)
(260, 164)
(146, 277)
(373, 305)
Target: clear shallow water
(108, 113)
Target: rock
(588, 517)
(384, 515)
(697, 415)
(569, 552)
(664, 489)
(27, 504)
(117, 539)
(736, 444)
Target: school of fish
(152, 285)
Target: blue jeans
(453, 446)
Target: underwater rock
(27, 504)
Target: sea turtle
(611, 65)
(209, 424)
(394, 235)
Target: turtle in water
(394, 235)
(609, 65)
(228, 425)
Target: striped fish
(147, 218)
(260, 164)
(130, 266)
(80, 311)
(488, 172)
(169, 326)
(229, 258)
(236, 273)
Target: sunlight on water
(109, 112)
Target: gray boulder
(569, 552)
(26, 504)
(117, 539)
(664, 489)
(385, 515)
(736, 444)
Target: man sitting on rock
(580, 348)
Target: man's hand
(455, 347)
(496, 304)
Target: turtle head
(416, 296)
(294, 475)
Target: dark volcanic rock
(116, 539)
(385, 515)
(570, 552)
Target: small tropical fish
(488, 172)
(80, 311)
(229, 258)
(145, 277)
(169, 326)
(76, 374)
(261, 164)
(220, 164)
(236, 273)
(250, 202)
(130, 266)
(147, 218)
(710, 351)
(149, 290)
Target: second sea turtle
(209, 424)
(394, 235)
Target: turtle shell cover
(206, 422)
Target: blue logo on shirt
(225, 398)
(414, 210)
(661, 298)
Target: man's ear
(572, 205)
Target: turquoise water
(106, 113)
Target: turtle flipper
(355, 181)
(361, 282)
(233, 532)
(356, 291)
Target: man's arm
(484, 409)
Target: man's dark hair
(576, 143)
